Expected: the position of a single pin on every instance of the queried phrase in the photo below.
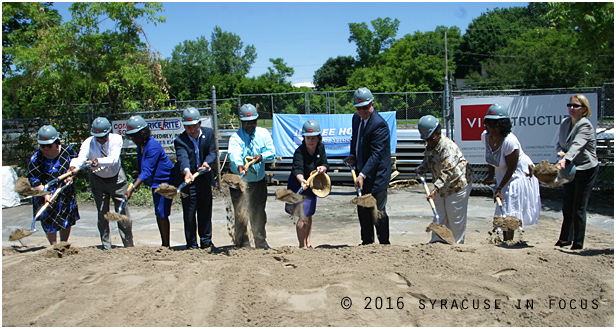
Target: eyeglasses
(45, 146)
(365, 108)
(577, 106)
(129, 137)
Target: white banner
(535, 121)
(164, 130)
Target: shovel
(440, 230)
(237, 181)
(114, 217)
(366, 200)
(504, 222)
(22, 233)
(249, 160)
(289, 196)
(170, 192)
(65, 175)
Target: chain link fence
(409, 107)
(19, 135)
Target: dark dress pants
(197, 208)
(575, 200)
(367, 220)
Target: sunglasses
(45, 146)
(431, 138)
(577, 106)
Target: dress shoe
(562, 244)
(574, 247)
(210, 246)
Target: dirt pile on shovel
(288, 196)
(22, 186)
(60, 250)
(508, 223)
(167, 190)
(115, 217)
(545, 172)
(234, 180)
(442, 231)
(19, 234)
(366, 200)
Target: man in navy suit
(196, 150)
(371, 154)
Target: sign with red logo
(535, 121)
(472, 121)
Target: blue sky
(304, 34)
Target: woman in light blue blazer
(577, 144)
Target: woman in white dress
(504, 154)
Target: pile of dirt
(61, 249)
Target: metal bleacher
(408, 156)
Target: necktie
(103, 153)
(360, 158)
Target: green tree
(414, 63)
(227, 56)
(334, 73)
(542, 58)
(594, 23)
(189, 68)
(280, 72)
(20, 23)
(75, 62)
(372, 42)
(492, 31)
(196, 66)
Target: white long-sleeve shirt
(91, 149)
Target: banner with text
(336, 130)
(164, 130)
(535, 120)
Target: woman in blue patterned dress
(50, 161)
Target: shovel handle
(54, 196)
(500, 205)
(249, 160)
(130, 185)
(432, 205)
(301, 189)
(65, 175)
(354, 177)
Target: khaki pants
(103, 190)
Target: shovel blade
(19, 234)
